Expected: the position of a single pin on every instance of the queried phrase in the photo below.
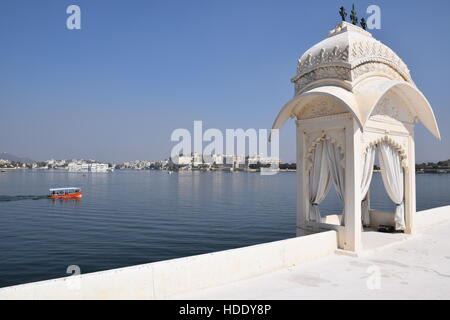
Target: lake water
(134, 217)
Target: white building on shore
(182, 160)
(81, 166)
(99, 167)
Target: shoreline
(195, 170)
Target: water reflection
(65, 203)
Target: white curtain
(392, 174)
(319, 181)
(367, 173)
(337, 172)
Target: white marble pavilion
(354, 98)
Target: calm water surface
(133, 217)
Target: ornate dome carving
(361, 75)
(349, 55)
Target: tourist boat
(64, 193)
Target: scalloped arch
(397, 146)
(316, 142)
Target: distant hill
(11, 157)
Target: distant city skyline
(116, 89)
(16, 158)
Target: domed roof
(358, 72)
(349, 54)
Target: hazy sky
(116, 89)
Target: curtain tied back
(327, 167)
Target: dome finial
(343, 13)
(363, 23)
(353, 15)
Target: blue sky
(137, 70)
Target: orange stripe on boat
(73, 195)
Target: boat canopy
(65, 189)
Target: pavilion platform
(410, 267)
